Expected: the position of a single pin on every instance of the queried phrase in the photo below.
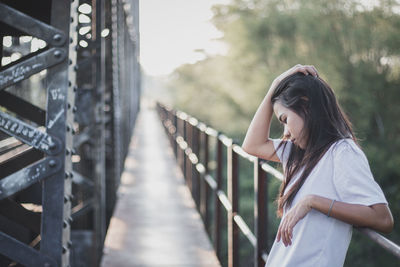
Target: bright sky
(172, 30)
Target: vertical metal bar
(188, 139)
(172, 126)
(203, 186)
(182, 152)
(111, 179)
(217, 215)
(206, 188)
(196, 141)
(184, 155)
(57, 191)
(233, 229)
(206, 151)
(99, 132)
(116, 92)
(176, 132)
(122, 78)
(167, 118)
(260, 212)
(1, 48)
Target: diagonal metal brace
(27, 68)
(31, 26)
(29, 134)
(20, 252)
(28, 176)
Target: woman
(328, 186)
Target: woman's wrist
(269, 93)
(310, 201)
(273, 86)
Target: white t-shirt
(343, 174)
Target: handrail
(189, 138)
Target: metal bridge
(69, 99)
(69, 96)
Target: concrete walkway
(155, 222)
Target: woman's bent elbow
(382, 219)
(247, 149)
(388, 224)
(385, 224)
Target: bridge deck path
(155, 222)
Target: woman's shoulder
(346, 147)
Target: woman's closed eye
(283, 119)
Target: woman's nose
(286, 133)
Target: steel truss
(69, 96)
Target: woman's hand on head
(296, 213)
(305, 69)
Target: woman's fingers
(287, 238)
(278, 235)
(281, 232)
(312, 70)
(305, 69)
(285, 232)
(315, 71)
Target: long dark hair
(324, 123)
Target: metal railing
(69, 97)
(190, 141)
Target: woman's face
(293, 123)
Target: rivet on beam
(57, 54)
(52, 163)
(57, 37)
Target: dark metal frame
(54, 142)
(180, 128)
(107, 98)
(93, 97)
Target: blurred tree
(355, 45)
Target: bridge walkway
(155, 222)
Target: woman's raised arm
(257, 142)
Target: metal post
(203, 195)
(260, 212)
(188, 162)
(217, 215)
(181, 151)
(99, 132)
(175, 120)
(184, 128)
(117, 137)
(233, 229)
(206, 190)
(168, 114)
(57, 191)
(195, 174)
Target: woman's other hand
(285, 230)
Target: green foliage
(356, 50)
